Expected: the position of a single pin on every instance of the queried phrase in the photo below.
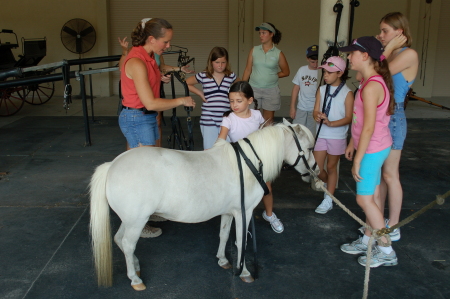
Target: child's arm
(124, 44)
(191, 81)
(223, 133)
(293, 109)
(284, 66)
(350, 150)
(372, 93)
(349, 99)
(248, 67)
(317, 113)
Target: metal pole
(85, 111)
(92, 97)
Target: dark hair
(382, 68)
(398, 21)
(245, 89)
(155, 27)
(345, 75)
(276, 38)
(216, 53)
(313, 57)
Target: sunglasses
(330, 64)
(355, 42)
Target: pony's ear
(286, 122)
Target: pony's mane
(267, 143)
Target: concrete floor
(44, 217)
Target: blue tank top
(401, 86)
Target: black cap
(368, 44)
(312, 51)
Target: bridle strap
(301, 154)
(258, 174)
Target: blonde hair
(216, 53)
(398, 21)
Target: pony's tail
(100, 226)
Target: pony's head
(297, 154)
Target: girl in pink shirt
(371, 138)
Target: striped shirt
(217, 97)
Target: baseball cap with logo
(312, 51)
(368, 44)
(334, 64)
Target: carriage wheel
(39, 94)
(11, 101)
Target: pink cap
(334, 64)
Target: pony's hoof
(138, 273)
(247, 279)
(226, 266)
(139, 287)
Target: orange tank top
(129, 93)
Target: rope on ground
(378, 233)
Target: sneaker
(395, 235)
(150, 232)
(379, 258)
(356, 247)
(325, 206)
(276, 224)
(156, 218)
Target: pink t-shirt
(239, 128)
(381, 138)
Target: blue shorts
(139, 128)
(397, 125)
(370, 171)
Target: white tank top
(337, 112)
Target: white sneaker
(276, 224)
(325, 206)
(150, 232)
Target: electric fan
(78, 36)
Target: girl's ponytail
(382, 68)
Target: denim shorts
(139, 128)
(268, 98)
(370, 171)
(397, 126)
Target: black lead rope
(244, 220)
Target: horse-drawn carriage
(34, 50)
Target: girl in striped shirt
(216, 80)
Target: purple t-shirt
(239, 128)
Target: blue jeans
(138, 128)
(397, 126)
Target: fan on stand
(78, 36)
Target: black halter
(301, 154)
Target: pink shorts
(333, 147)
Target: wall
(36, 19)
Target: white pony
(186, 187)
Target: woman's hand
(165, 78)
(355, 171)
(124, 44)
(188, 102)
